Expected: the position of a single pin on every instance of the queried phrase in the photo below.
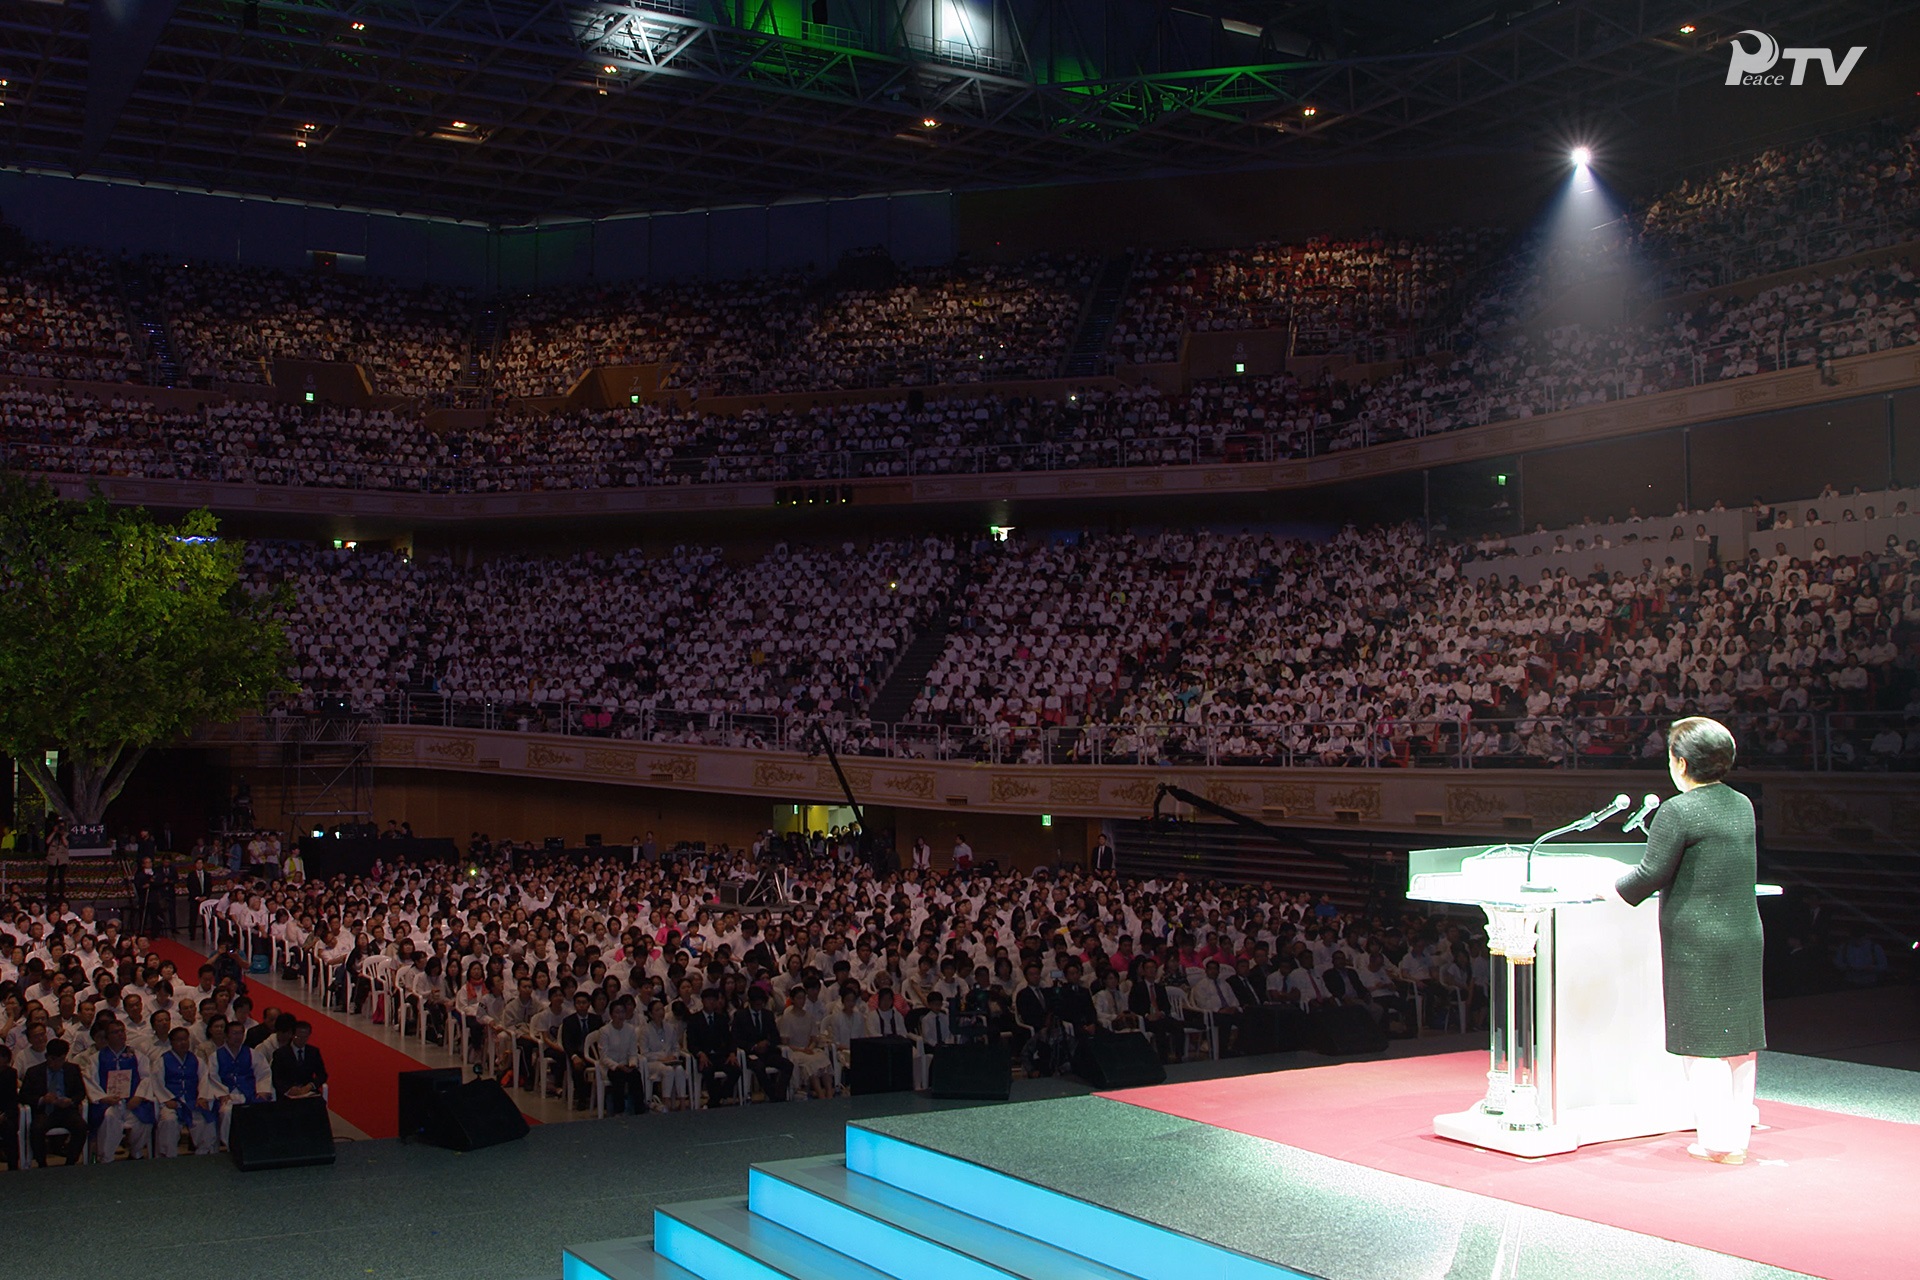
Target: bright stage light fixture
(1581, 156)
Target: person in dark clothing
(580, 1024)
(54, 1089)
(710, 1040)
(756, 1032)
(1149, 1001)
(1701, 859)
(9, 1110)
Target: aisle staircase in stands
(1087, 357)
(1216, 851)
(147, 317)
(894, 702)
(893, 1210)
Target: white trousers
(117, 1123)
(669, 1079)
(1722, 1094)
(166, 1134)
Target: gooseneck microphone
(1617, 805)
(1638, 822)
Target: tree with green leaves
(119, 633)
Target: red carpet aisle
(362, 1071)
(1823, 1193)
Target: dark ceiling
(509, 111)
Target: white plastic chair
(24, 1138)
(596, 1072)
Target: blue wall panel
(855, 224)
(797, 237)
(736, 242)
(723, 243)
(620, 248)
(922, 229)
(679, 246)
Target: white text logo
(1758, 67)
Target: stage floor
(1345, 1181)
(393, 1211)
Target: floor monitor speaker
(1122, 1060)
(476, 1114)
(280, 1135)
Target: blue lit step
(630, 1259)
(721, 1240)
(905, 1235)
(1116, 1240)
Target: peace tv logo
(1757, 67)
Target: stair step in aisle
(895, 1210)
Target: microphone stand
(1587, 823)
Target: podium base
(1579, 1128)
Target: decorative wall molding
(1814, 812)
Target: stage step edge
(822, 1191)
(723, 1240)
(1120, 1241)
(632, 1258)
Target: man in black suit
(1149, 1001)
(199, 888)
(298, 1070)
(54, 1089)
(580, 1024)
(755, 1031)
(710, 1039)
(1248, 989)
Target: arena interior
(979, 523)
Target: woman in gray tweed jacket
(1700, 858)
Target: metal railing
(1837, 741)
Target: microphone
(1638, 822)
(1617, 805)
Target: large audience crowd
(782, 333)
(227, 321)
(1786, 207)
(1367, 298)
(60, 317)
(623, 981)
(1480, 359)
(1373, 647)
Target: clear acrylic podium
(1575, 1011)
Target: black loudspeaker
(1122, 1060)
(477, 1114)
(280, 1135)
(418, 1093)
(880, 1064)
(1273, 1028)
(971, 1071)
(1346, 1029)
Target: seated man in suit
(54, 1090)
(580, 1024)
(298, 1069)
(758, 1032)
(1149, 1001)
(710, 1040)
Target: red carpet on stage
(362, 1071)
(1827, 1194)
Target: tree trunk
(97, 782)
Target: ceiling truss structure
(512, 111)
